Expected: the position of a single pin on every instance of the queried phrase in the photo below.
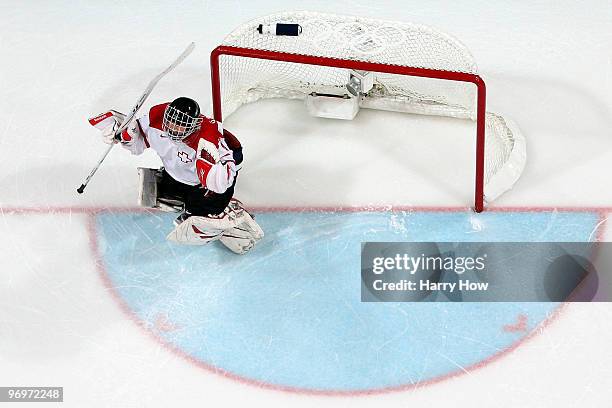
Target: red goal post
(365, 66)
(384, 65)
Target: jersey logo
(184, 157)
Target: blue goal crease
(289, 313)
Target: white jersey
(180, 158)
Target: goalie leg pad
(235, 228)
(147, 187)
(246, 220)
(242, 239)
(238, 240)
(196, 230)
(149, 195)
(199, 230)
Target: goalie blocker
(229, 222)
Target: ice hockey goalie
(201, 161)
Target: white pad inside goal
(343, 106)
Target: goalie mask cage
(416, 70)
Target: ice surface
(547, 66)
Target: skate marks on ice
(288, 315)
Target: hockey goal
(411, 68)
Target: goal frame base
(364, 66)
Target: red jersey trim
(144, 135)
(207, 131)
(232, 141)
(156, 116)
(192, 140)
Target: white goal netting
(247, 79)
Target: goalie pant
(196, 199)
(234, 227)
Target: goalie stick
(135, 109)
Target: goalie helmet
(181, 118)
